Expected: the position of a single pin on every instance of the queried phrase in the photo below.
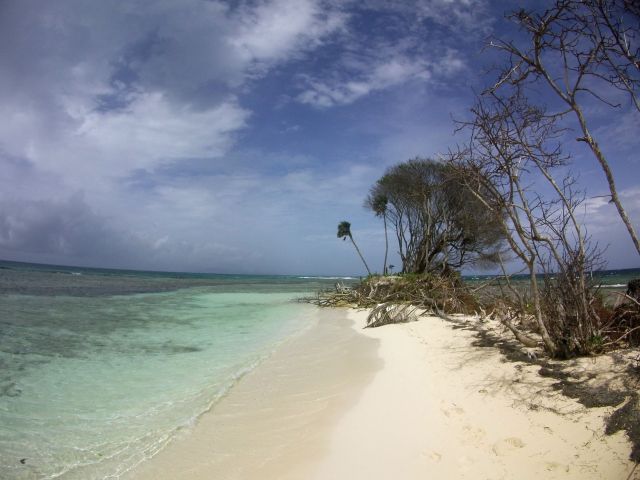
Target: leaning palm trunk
(360, 254)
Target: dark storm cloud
(60, 229)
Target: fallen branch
(387, 313)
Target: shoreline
(414, 400)
(273, 424)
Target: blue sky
(234, 136)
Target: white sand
(410, 401)
(441, 408)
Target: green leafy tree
(344, 231)
(440, 226)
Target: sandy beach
(421, 400)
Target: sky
(233, 137)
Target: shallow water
(92, 383)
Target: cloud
(619, 134)
(604, 225)
(245, 220)
(466, 15)
(99, 99)
(601, 213)
(54, 229)
(199, 135)
(152, 131)
(390, 45)
(271, 31)
(387, 73)
(69, 229)
(461, 18)
(140, 83)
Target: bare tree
(511, 167)
(580, 50)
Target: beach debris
(387, 313)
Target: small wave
(76, 273)
(615, 285)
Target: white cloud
(600, 213)
(142, 83)
(604, 225)
(422, 54)
(386, 73)
(116, 88)
(152, 130)
(99, 147)
(470, 15)
(273, 30)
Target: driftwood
(523, 338)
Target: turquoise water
(99, 369)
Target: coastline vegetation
(509, 194)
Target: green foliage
(596, 342)
(379, 204)
(439, 224)
(344, 230)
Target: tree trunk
(386, 245)
(549, 344)
(361, 257)
(595, 148)
(524, 339)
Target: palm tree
(344, 231)
(379, 206)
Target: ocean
(99, 369)
(606, 279)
